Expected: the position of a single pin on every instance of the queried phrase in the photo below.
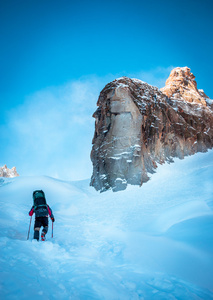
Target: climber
(41, 210)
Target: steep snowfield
(154, 242)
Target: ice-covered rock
(6, 172)
(138, 126)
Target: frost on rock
(139, 126)
(6, 172)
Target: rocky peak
(139, 126)
(181, 84)
(5, 172)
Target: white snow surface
(153, 242)
(209, 101)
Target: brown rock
(138, 126)
(181, 84)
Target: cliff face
(138, 125)
(5, 172)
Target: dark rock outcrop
(5, 172)
(138, 126)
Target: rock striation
(5, 172)
(139, 126)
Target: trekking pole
(29, 228)
(52, 229)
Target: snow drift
(154, 242)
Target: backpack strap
(39, 205)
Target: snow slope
(154, 242)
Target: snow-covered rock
(5, 172)
(139, 126)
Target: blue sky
(56, 56)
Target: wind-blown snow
(154, 242)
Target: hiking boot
(36, 235)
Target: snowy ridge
(154, 242)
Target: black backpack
(39, 203)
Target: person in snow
(41, 210)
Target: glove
(53, 219)
(31, 212)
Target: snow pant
(40, 221)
